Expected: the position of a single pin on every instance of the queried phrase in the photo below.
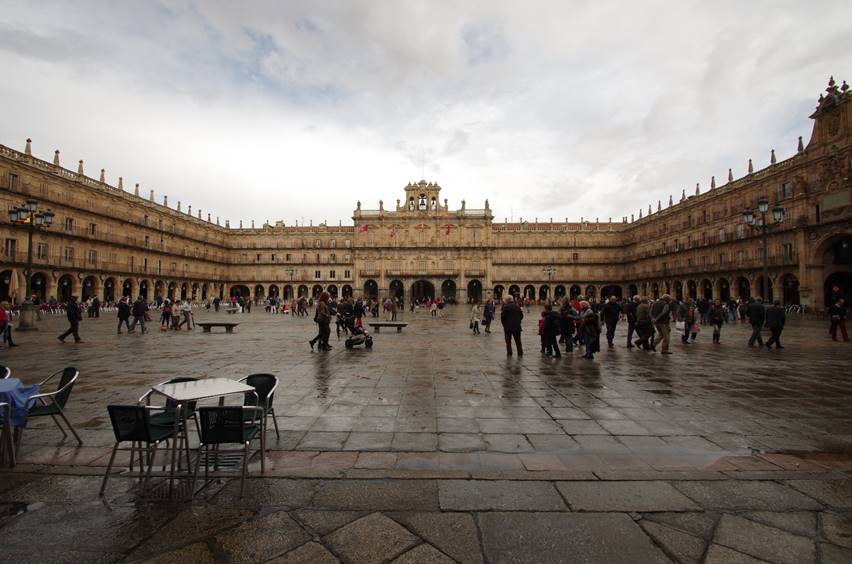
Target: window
(333, 243)
(676, 245)
(317, 274)
(174, 267)
(576, 256)
(273, 257)
(332, 274)
(11, 247)
(92, 228)
(69, 253)
(159, 267)
(145, 220)
(722, 235)
(786, 190)
(318, 243)
(13, 181)
(41, 251)
(739, 231)
(147, 242)
(92, 257)
(703, 238)
(287, 257)
(787, 251)
(704, 260)
(347, 274)
(740, 257)
(721, 259)
(145, 264)
(258, 257)
(69, 224)
(332, 257)
(689, 262)
(347, 243)
(347, 258)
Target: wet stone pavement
(436, 447)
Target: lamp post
(764, 228)
(29, 215)
(549, 271)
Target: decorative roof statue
(121, 183)
(697, 189)
(712, 182)
(750, 167)
(56, 158)
(28, 148)
(801, 145)
(103, 176)
(80, 168)
(772, 159)
(730, 175)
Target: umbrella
(14, 286)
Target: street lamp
(29, 215)
(549, 271)
(764, 228)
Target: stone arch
(448, 291)
(838, 284)
(591, 292)
(790, 289)
(6, 284)
(346, 291)
(707, 289)
(65, 287)
(611, 290)
(655, 291)
(678, 290)
(633, 290)
(559, 292)
(303, 291)
(38, 284)
(316, 291)
(371, 289)
(692, 289)
(109, 289)
(743, 288)
(529, 292)
(332, 290)
(474, 291)
(543, 292)
(184, 291)
(273, 291)
(89, 288)
(422, 289)
(259, 292)
(172, 290)
(288, 292)
(397, 290)
(758, 288)
(576, 291)
(498, 291)
(514, 290)
(239, 290)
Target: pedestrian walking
(775, 319)
(6, 323)
(610, 313)
(139, 311)
(488, 316)
(838, 320)
(511, 317)
(630, 313)
(72, 312)
(123, 314)
(475, 314)
(757, 317)
(550, 331)
(322, 317)
(644, 325)
(591, 329)
(661, 320)
(186, 313)
(716, 317)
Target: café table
(16, 396)
(191, 391)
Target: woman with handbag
(690, 325)
(475, 314)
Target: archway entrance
(543, 292)
(790, 286)
(611, 290)
(143, 289)
(743, 288)
(172, 290)
(258, 292)
(127, 289)
(184, 290)
(678, 290)
(109, 290)
(332, 290)
(5, 285)
(838, 284)
(575, 291)
(316, 291)
(39, 285)
(706, 289)
(448, 291)
(724, 291)
(529, 292)
(591, 293)
(422, 289)
(559, 292)
(397, 291)
(303, 291)
(239, 290)
(288, 292)
(371, 289)
(760, 291)
(692, 289)
(89, 288)
(346, 291)
(514, 291)
(273, 291)
(655, 291)
(633, 290)
(474, 291)
(66, 288)
(498, 291)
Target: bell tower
(422, 198)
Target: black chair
(265, 386)
(53, 403)
(133, 423)
(7, 446)
(5, 372)
(229, 425)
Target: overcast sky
(295, 110)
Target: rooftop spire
(712, 182)
(772, 159)
(801, 145)
(28, 148)
(136, 190)
(697, 189)
(750, 167)
(683, 195)
(730, 175)
(121, 183)
(103, 176)
(80, 168)
(56, 158)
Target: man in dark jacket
(511, 317)
(757, 317)
(123, 314)
(610, 313)
(551, 331)
(72, 312)
(838, 320)
(775, 318)
(138, 310)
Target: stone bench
(208, 325)
(379, 324)
(232, 309)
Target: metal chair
(167, 417)
(53, 403)
(5, 372)
(7, 446)
(229, 425)
(265, 386)
(134, 423)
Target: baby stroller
(359, 336)
(346, 323)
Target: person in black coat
(610, 313)
(72, 312)
(775, 319)
(757, 317)
(123, 314)
(511, 317)
(551, 331)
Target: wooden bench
(208, 325)
(379, 324)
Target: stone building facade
(109, 241)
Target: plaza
(436, 447)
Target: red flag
(392, 231)
(447, 230)
(364, 228)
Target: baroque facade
(109, 242)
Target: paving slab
(742, 495)
(681, 546)
(764, 542)
(552, 537)
(308, 553)
(834, 493)
(837, 529)
(262, 538)
(377, 495)
(832, 554)
(642, 496)
(455, 534)
(371, 540)
(498, 495)
(718, 554)
(424, 554)
(802, 523)
(198, 552)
